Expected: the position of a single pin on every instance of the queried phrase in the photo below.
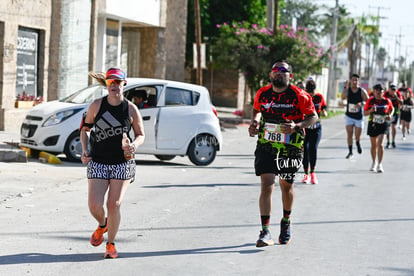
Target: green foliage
(305, 13)
(213, 12)
(252, 50)
(333, 113)
(345, 22)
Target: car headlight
(60, 117)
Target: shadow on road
(200, 185)
(24, 258)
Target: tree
(344, 26)
(305, 14)
(213, 12)
(252, 49)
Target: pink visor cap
(115, 74)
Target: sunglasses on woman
(113, 81)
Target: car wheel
(73, 147)
(165, 157)
(202, 150)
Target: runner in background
(380, 111)
(396, 100)
(406, 107)
(313, 134)
(356, 97)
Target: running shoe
(388, 145)
(373, 167)
(97, 236)
(403, 138)
(380, 169)
(284, 237)
(111, 252)
(393, 144)
(265, 239)
(314, 180)
(306, 179)
(349, 156)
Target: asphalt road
(179, 219)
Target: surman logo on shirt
(108, 126)
(277, 105)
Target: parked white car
(179, 119)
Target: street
(179, 219)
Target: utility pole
(272, 15)
(269, 15)
(197, 21)
(374, 61)
(378, 12)
(275, 16)
(331, 94)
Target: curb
(12, 155)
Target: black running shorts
(375, 129)
(406, 116)
(271, 161)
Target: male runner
(280, 113)
(356, 97)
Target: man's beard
(279, 82)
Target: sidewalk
(227, 117)
(8, 151)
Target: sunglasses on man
(280, 70)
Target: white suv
(179, 119)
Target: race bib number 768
(272, 133)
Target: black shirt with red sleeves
(319, 102)
(394, 100)
(383, 107)
(281, 107)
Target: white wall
(144, 11)
(74, 52)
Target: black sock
(265, 222)
(359, 147)
(103, 226)
(350, 149)
(286, 215)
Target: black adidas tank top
(106, 135)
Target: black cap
(378, 86)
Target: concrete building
(47, 47)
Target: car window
(86, 95)
(152, 94)
(176, 96)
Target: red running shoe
(306, 179)
(314, 180)
(111, 252)
(97, 236)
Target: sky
(396, 18)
